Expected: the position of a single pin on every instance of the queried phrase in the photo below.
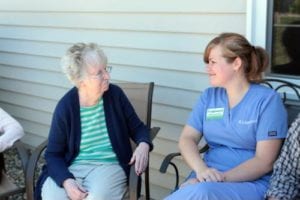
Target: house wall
(160, 41)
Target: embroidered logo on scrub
(272, 133)
(214, 113)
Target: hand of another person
(140, 157)
(189, 182)
(74, 190)
(210, 175)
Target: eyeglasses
(100, 74)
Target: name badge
(214, 113)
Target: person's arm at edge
(284, 167)
(12, 130)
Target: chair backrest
(290, 94)
(140, 96)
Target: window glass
(285, 45)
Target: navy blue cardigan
(65, 134)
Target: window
(284, 44)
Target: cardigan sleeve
(56, 151)
(10, 130)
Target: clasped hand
(208, 175)
(140, 158)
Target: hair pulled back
(254, 59)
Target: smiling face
(219, 70)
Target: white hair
(79, 58)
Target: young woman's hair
(254, 59)
(79, 57)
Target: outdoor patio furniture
(7, 186)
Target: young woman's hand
(210, 175)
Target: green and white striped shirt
(95, 145)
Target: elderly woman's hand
(140, 158)
(74, 190)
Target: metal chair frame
(7, 186)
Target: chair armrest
(204, 149)
(31, 168)
(134, 184)
(23, 153)
(135, 180)
(168, 161)
(153, 132)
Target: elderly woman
(89, 153)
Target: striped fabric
(95, 144)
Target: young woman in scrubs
(243, 122)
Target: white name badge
(214, 113)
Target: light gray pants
(103, 182)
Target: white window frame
(257, 30)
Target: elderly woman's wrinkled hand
(74, 190)
(140, 158)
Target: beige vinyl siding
(160, 41)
